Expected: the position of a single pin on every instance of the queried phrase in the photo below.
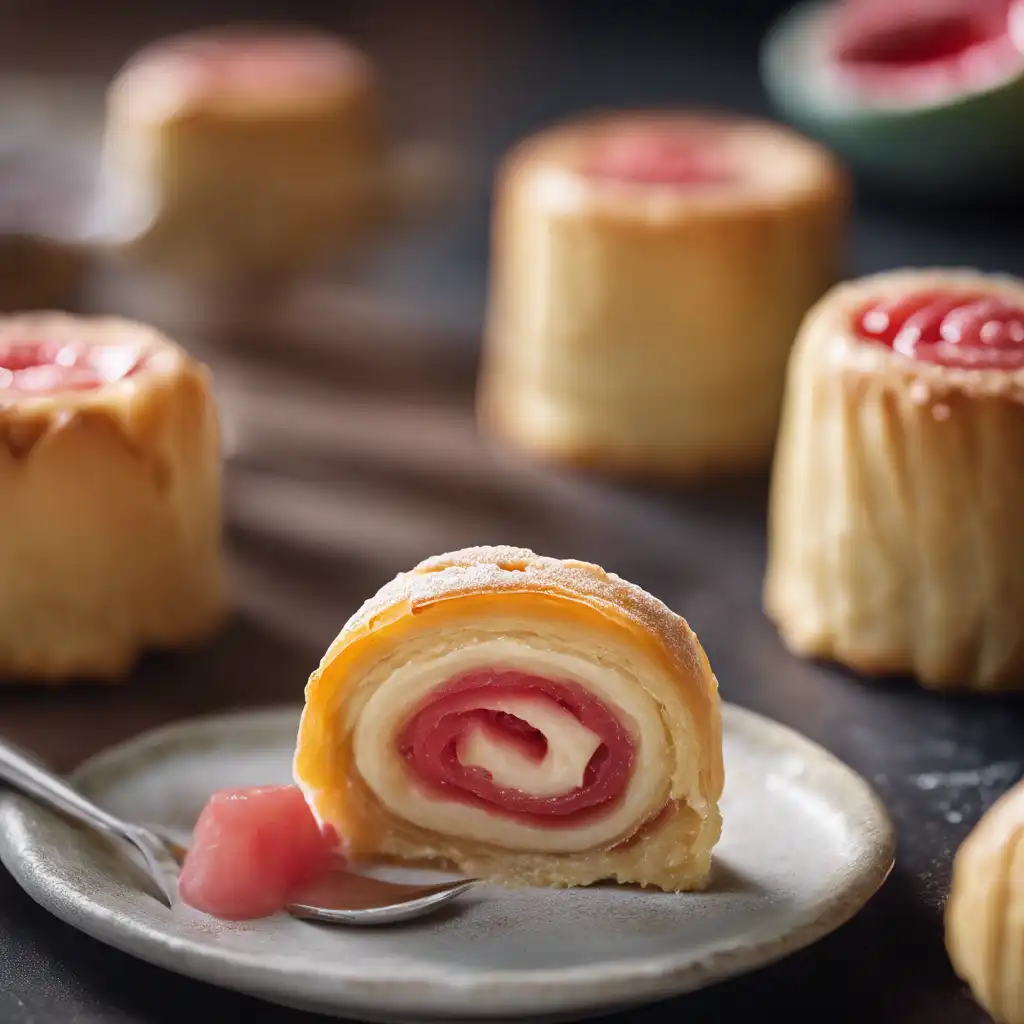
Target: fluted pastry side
(110, 510)
(218, 179)
(985, 910)
(897, 499)
(509, 607)
(644, 330)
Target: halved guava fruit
(923, 94)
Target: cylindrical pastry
(985, 910)
(649, 272)
(243, 151)
(109, 497)
(898, 491)
(525, 719)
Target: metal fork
(340, 897)
(26, 773)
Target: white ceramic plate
(806, 843)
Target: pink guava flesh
(251, 850)
(921, 50)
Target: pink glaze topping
(252, 850)
(430, 744)
(956, 329)
(653, 157)
(247, 61)
(44, 367)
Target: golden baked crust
(475, 597)
(897, 499)
(985, 911)
(643, 329)
(219, 176)
(109, 510)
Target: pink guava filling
(649, 156)
(44, 367)
(430, 743)
(245, 62)
(252, 850)
(968, 330)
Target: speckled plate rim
(422, 992)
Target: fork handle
(22, 771)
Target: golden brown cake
(985, 911)
(898, 492)
(109, 497)
(243, 150)
(649, 272)
(525, 719)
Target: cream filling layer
(571, 745)
(389, 776)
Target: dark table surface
(353, 453)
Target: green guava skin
(971, 143)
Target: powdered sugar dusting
(500, 569)
(504, 569)
(997, 774)
(957, 790)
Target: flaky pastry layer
(508, 608)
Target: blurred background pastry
(649, 271)
(244, 152)
(985, 910)
(109, 497)
(898, 496)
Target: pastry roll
(109, 497)
(895, 540)
(524, 719)
(985, 910)
(649, 273)
(243, 150)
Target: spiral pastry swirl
(521, 718)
